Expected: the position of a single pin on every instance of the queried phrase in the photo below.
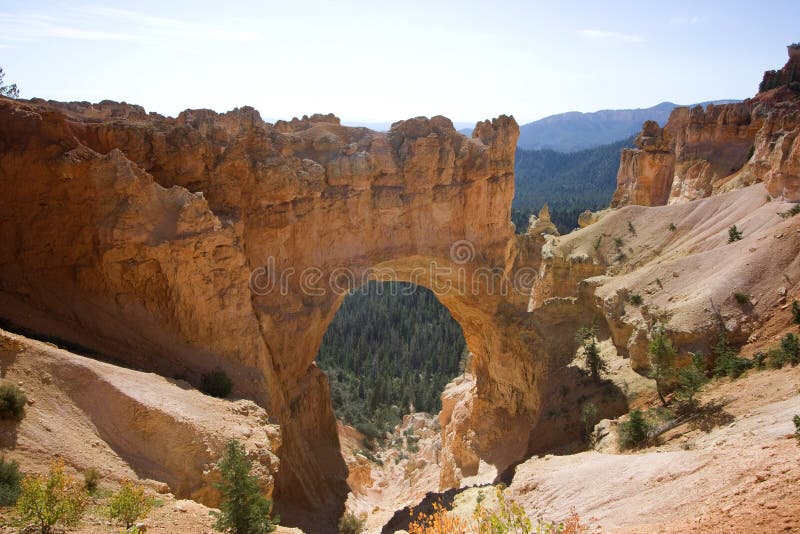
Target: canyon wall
(181, 245)
(700, 152)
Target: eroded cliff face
(181, 245)
(700, 152)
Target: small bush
(742, 298)
(597, 242)
(776, 358)
(634, 432)
(635, 299)
(55, 498)
(672, 227)
(618, 242)
(9, 482)
(690, 379)
(760, 360)
(734, 234)
(90, 479)
(796, 421)
(129, 504)
(790, 345)
(350, 523)
(795, 312)
(216, 383)
(12, 402)
(631, 229)
(727, 361)
(790, 212)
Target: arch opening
(388, 352)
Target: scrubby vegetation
(244, 509)
(787, 353)
(130, 504)
(690, 379)
(91, 478)
(587, 338)
(727, 362)
(351, 523)
(634, 432)
(791, 212)
(12, 402)
(795, 312)
(52, 499)
(505, 517)
(390, 346)
(10, 478)
(796, 421)
(742, 298)
(216, 383)
(734, 234)
(635, 299)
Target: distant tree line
(569, 183)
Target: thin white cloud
(684, 20)
(604, 35)
(167, 26)
(97, 23)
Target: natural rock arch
(159, 258)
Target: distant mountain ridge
(573, 131)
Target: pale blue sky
(380, 61)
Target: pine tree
(244, 510)
(662, 360)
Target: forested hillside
(569, 182)
(391, 345)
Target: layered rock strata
(182, 245)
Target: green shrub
(12, 402)
(690, 379)
(672, 227)
(727, 360)
(55, 498)
(795, 312)
(90, 479)
(634, 432)
(776, 358)
(734, 234)
(790, 345)
(631, 229)
(587, 337)
(635, 299)
(760, 360)
(216, 383)
(742, 298)
(589, 413)
(796, 421)
(350, 523)
(130, 504)
(618, 242)
(244, 509)
(9, 482)
(794, 210)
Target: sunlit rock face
(210, 240)
(701, 152)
